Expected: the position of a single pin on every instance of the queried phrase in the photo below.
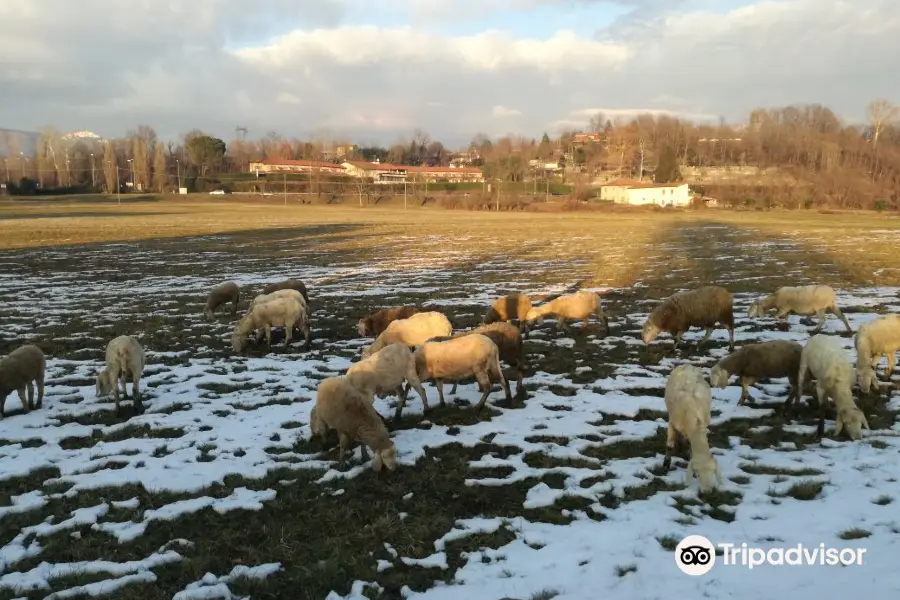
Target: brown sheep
(20, 370)
(776, 358)
(288, 284)
(222, 294)
(373, 325)
(703, 307)
(510, 307)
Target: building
(628, 191)
(452, 174)
(345, 150)
(377, 172)
(587, 138)
(285, 165)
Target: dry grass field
(218, 488)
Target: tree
(110, 167)
(205, 152)
(160, 167)
(882, 113)
(667, 167)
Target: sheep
(459, 358)
(384, 371)
(826, 360)
(341, 406)
(804, 300)
(373, 325)
(286, 293)
(124, 359)
(578, 307)
(288, 284)
(20, 370)
(509, 307)
(411, 331)
(279, 312)
(688, 398)
(221, 294)
(872, 340)
(706, 307)
(778, 358)
(508, 340)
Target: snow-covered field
(560, 497)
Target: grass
(325, 542)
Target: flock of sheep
(413, 345)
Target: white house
(627, 191)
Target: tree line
(818, 158)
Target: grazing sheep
(577, 307)
(706, 307)
(875, 339)
(804, 300)
(286, 293)
(385, 371)
(373, 325)
(508, 341)
(288, 284)
(124, 359)
(221, 294)
(778, 358)
(279, 312)
(513, 306)
(411, 331)
(826, 360)
(458, 358)
(688, 398)
(20, 370)
(341, 406)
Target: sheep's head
(534, 314)
(208, 313)
(718, 377)
(363, 327)
(707, 471)
(853, 420)
(386, 457)
(650, 330)
(491, 316)
(755, 309)
(104, 383)
(865, 376)
(238, 341)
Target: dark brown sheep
(373, 325)
(288, 284)
(704, 307)
(510, 307)
(776, 358)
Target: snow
(203, 403)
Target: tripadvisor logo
(696, 555)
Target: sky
(372, 71)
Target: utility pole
(404, 193)
(93, 173)
(178, 167)
(118, 187)
(6, 163)
(285, 188)
(548, 188)
(133, 187)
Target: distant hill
(27, 141)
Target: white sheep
(459, 358)
(576, 307)
(279, 312)
(341, 406)
(826, 360)
(807, 300)
(873, 340)
(286, 293)
(412, 331)
(124, 360)
(385, 371)
(688, 398)
(20, 370)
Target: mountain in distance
(26, 141)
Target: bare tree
(160, 167)
(882, 113)
(110, 167)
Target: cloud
(502, 112)
(376, 69)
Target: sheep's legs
(484, 382)
(116, 395)
(520, 387)
(789, 402)
(124, 383)
(440, 386)
(268, 336)
(820, 393)
(837, 312)
(891, 358)
(706, 337)
(136, 395)
(670, 447)
(40, 387)
(677, 340)
(402, 403)
(731, 339)
(342, 448)
(745, 393)
(23, 396)
(820, 314)
(30, 387)
(288, 335)
(307, 336)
